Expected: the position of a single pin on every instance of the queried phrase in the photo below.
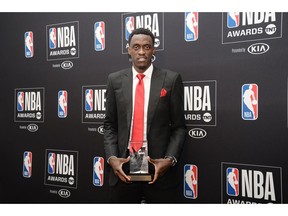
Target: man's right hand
(116, 164)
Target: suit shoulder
(169, 73)
(117, 74)
(171, 76)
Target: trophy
(139, 165)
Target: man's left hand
(161, 166)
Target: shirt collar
(147, 73)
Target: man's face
(141, 50)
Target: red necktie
(138, 119)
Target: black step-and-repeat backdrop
(54, 68)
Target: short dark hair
(142, 31)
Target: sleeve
(110, 122)
(178, 127)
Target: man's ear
(129, 51)
(129, 58)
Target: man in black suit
(164, 126)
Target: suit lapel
(157, 81)
(127, 91)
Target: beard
(142, 66)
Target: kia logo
(64, 193)
(258, 48)
(67, 65)
(197, 133)
(32, 127)
(101, 129)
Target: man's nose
(141, 51)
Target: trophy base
(140, 177)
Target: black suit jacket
(166, 129)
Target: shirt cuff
(110, 158)
(172, 158)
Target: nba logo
(99, 37)
(232, 181)
(98, 171)
(190, 181)
(191, 26)
(89, 100)
(51, 163)
(20, 101)
(249, 101)
(62, 103)
(27, 164)
(52, 38)
(233, 19)
(129, 27)
(29, 48)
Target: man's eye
(147, 47)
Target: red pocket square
(163, 92)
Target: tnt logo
(190, 181)
(62, 104)
(29, 47)
(20, 101)
(98, 171)
(89, 99)
(233, 19)
(191, 26)
(52, 38)
(232, 175)
(250, 101)
(129, 26)
(51, 163)
(99, 30)
(27, 164)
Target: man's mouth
(141, 59)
